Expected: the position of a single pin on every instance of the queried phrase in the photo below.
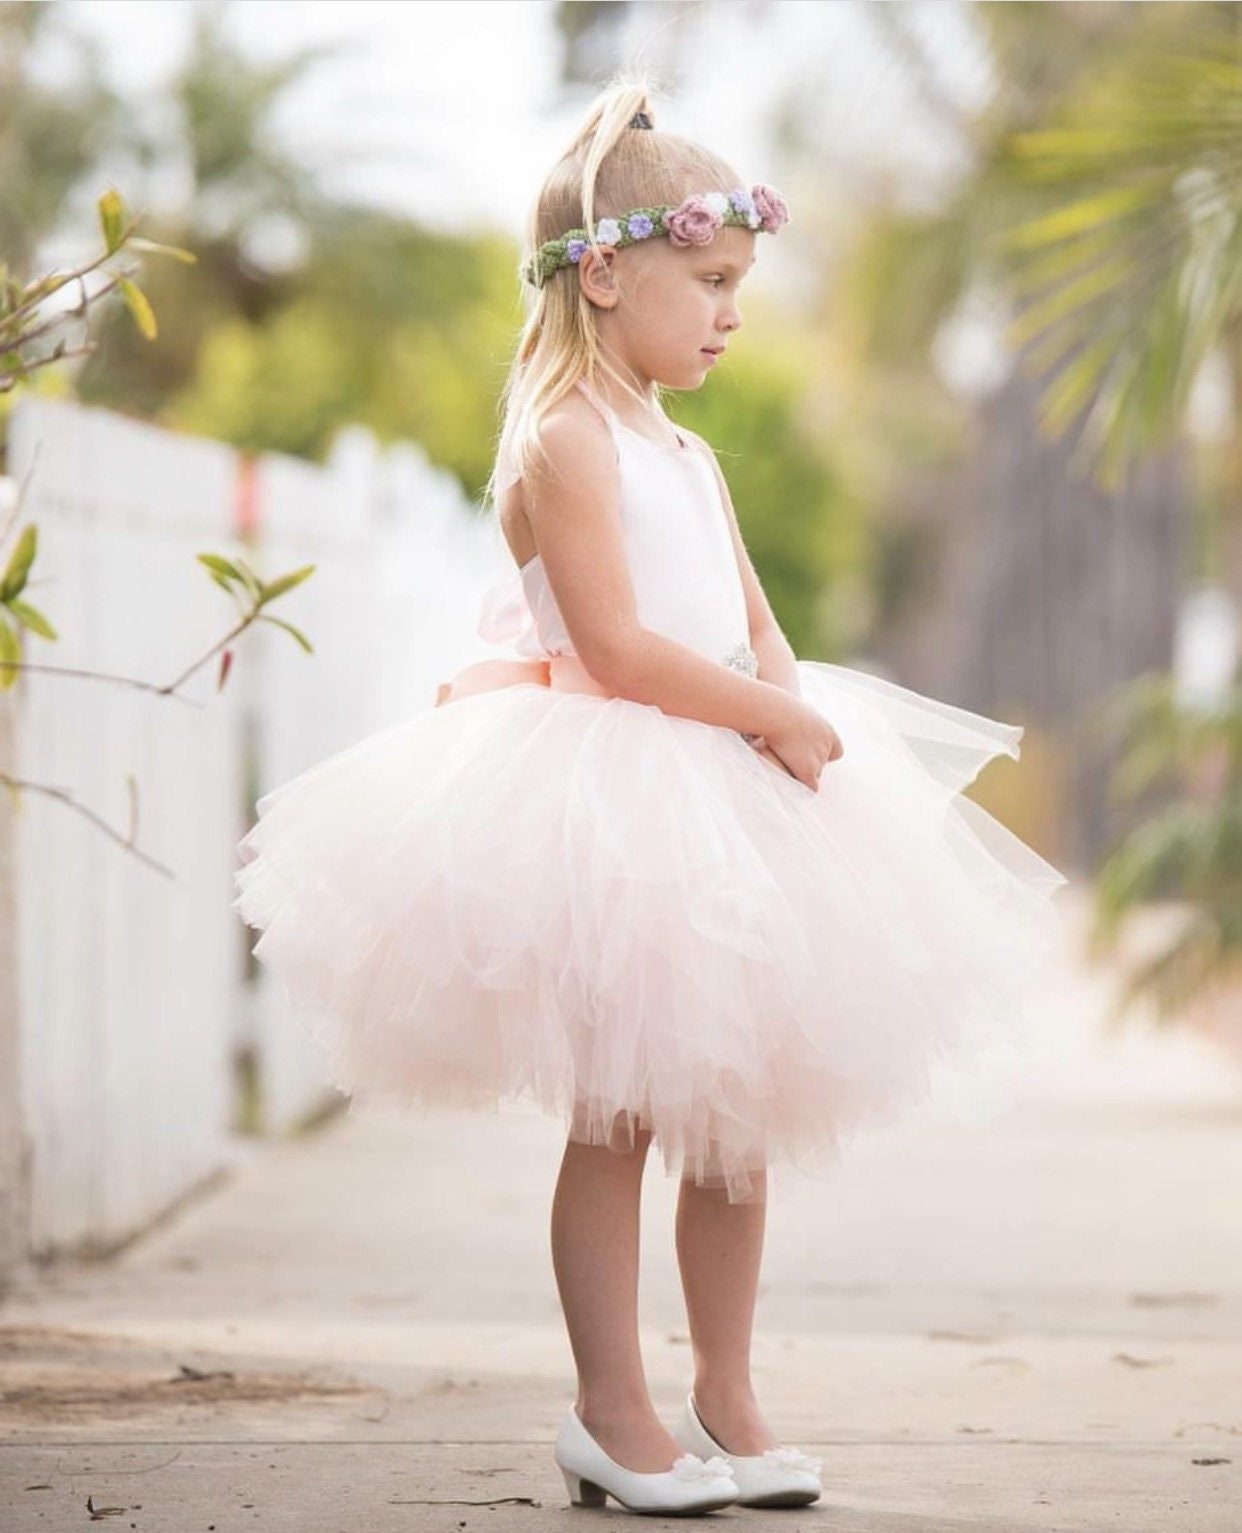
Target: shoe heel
(583, 1492)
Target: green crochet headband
(693, 221)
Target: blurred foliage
(423, 357)
(1189, 852)
(36, 333)
(1134, 273)
(51, 135)
(1103, 206)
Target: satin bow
(487, 675)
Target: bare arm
(573, 504)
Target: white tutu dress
(537, 890)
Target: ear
(595, 277)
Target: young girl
(651, 871)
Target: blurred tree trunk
(1051, 593)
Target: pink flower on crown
(770, 206)
(694, 222)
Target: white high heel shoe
(780, 1476)
(691, 1485)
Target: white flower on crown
(754, 219)
(608, 231)
(690, 1467)
(717, 201)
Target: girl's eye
(716, 280)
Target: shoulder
(572, 451)
(573, 418)
(572, 433)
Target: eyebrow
(729, 264)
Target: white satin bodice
(679, 552)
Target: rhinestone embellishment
(742, 658)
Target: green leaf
(284, 583)
(1081, 217)
(10, 649)
(137, 242)
(252, 582)
(22, 557)
(1072, 295)
(139, 307)
(111, 218)
(1074, 385)
(297, 633)
(220, 566)
(30, 617)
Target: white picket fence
(138, 1001)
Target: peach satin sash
(562, 673)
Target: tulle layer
(635, 920)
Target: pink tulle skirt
(636, 921)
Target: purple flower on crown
(770, 206)
(693, 222)
(742, 201)
(640, 226)
(574, 249)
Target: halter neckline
(680, 446)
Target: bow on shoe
(791, 1458)
(690, 1467)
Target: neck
(618, 396)
(645, 408)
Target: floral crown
(693, 221)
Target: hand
(803, 743)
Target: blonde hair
(607, 169)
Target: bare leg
(719, 1249)
(595, 1239)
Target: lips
(715, 351)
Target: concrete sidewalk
(994, 1317)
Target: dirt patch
(66, 1377)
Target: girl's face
(662, 309)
